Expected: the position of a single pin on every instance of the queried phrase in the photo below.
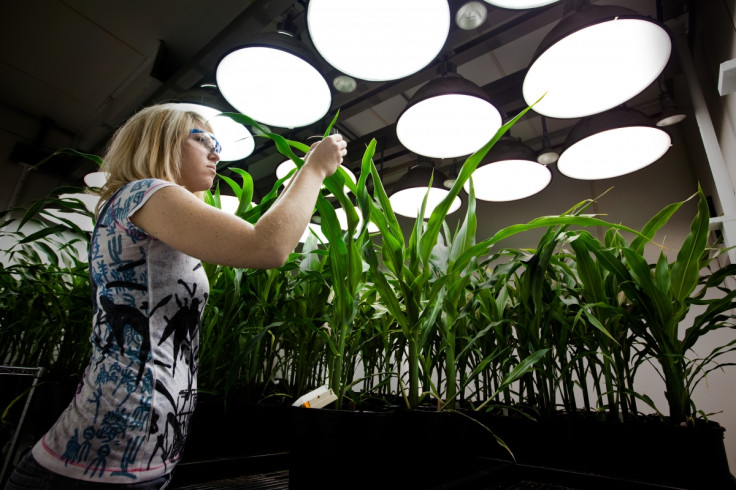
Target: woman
(128, 421)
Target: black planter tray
(424, 449)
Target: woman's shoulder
(146, 185)
(133, 195)
(138, 190)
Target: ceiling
(84, 66)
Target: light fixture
(448, 117)
(471, 16)
(96, 179)
(595, 59)
(313, 229)
(274, 80)
(287, 166)
(229, 203)
(408, 194)
(378, 40)
(237, 142)
(547, 155)
(611, 144)
(508, 172)
(342, 218)
(520, 4)
(670, 113)
(451, 176)
(344, 84)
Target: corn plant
(661, 296)
(44, 288)
(476, 325)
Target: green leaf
(72, 152)
(332, 123)
(589, 273)
(440, 212)
(246, 197)
(237, 190)
(653, 225)
(52, 230)
(686, 269)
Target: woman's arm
(178, 218)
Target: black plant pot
(642, 449)
(430, 449)
(227, 429)
(341, 448)
(230, 439)
(407, 449)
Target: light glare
(378, 40)
(448, 126)
(597, 68)
(408, 202)
(273, 87)
(237, 142)
(613, 153)
(509, 180)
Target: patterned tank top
(129, 418)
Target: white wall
(714, 41)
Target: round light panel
(407, 202)
(509, 180)
(378, 40)
(448, 126)
(237, 142)
(597, 68)
(273, 87)
(614, 152)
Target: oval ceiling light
(274, 80)
(448, 117)
(229, 203)
(237, 142)
(509, 171)
(410, 190)
(595, 59)
(313, 229)
(611, 144)
(520, 4)
(342, 218)
(96, 179)
(378, 40)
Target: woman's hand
(326, 155)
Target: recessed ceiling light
(471, 16)
(344, 84)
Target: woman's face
(199, 157)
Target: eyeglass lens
(208, 140)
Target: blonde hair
(148, 145)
